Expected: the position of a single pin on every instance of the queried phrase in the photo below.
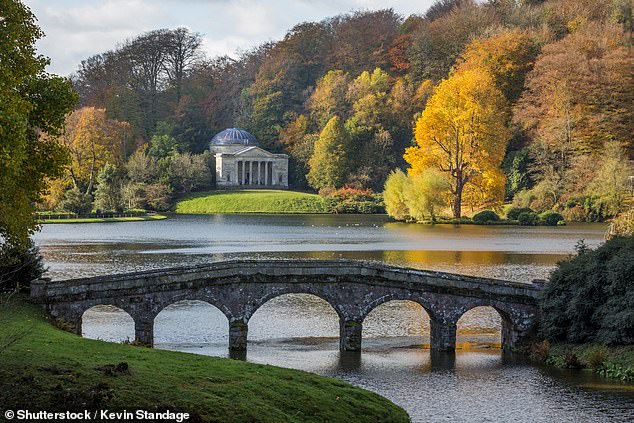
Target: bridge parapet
(353, 288)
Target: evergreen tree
(329, 163)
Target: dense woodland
(476, 103)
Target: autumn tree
(93, 140)
(32, 109)
(330, 97)
(462, 132)
(508, 56)
(329, 162)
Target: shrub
(515, 212)
(540, 350)
(484, 217)
(571, 361)
(19, 266)
(597, 356)
(589, 297)
(528, 219)
(353, 200)
(550, 218)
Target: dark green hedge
(590, 298)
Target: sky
(77, 29)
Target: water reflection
(477, 383)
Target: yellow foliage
(93, 141)
(463, 132)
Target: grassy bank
(251, 201)
(103, 219)
(49, 369)
(614, 362)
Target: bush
(352, 200)
(19, 266)
(597, 356)
(515, 212)
(550, 218)
(528, 218)
(589, 297)
(484, 217)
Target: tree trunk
(457, 200)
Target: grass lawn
(49, 369)
(104, 219)
(251, 201)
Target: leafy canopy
(33, 104)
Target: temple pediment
(253, 152)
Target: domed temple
(240, 163)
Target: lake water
(478, 383)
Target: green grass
(251, 201)
(104, 219)
(49, 369)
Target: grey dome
(234, 136)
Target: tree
(424, 193)
(589, 297)
(329, 97)
(610, 181)
(93, 140)
(329, 162)
(32, 112)
(507, 56)
(393, 195)
(188, 172)
(183, 51)
(109, 186)
(462, 132)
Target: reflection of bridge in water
(352, 288)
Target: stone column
(250, 172)
(238, 335)
(243, 173)
(266, 173)
(350, 335)
(443, 336)
(144, 330)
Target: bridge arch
(308, 315)
(481, 325)
(255, 305)
(169, 322)
(402, 318)
(108, 323)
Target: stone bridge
(353, 289)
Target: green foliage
(484, 217)
(19, 266)
(188, 172)
(108, 193)
(589, 297)
(550, 218)
(163, 145)
(395, 205)
(425, 193)
(516, 167)
(352, 200)
(528, 218)
(76, 201)
(615, 371)
(329, 163)
(514, 213)
(32, 109)
(597, 356)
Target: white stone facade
(250, 167)
(240, 163)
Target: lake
(478, 383)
